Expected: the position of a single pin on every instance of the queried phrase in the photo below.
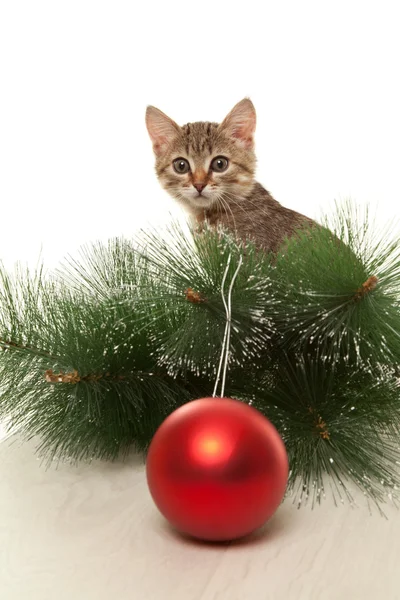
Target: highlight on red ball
(211, 447)
(217, 469)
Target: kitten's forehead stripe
(186, 135)
(199, 137)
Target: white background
(75, 159)
(76, 165)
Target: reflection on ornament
(211, 447)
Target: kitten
(209, 168)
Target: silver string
(226, 327)
(227, 334)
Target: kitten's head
(204, 164)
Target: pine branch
(336, 421)
(343, 298)
(96, 356)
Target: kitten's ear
(162, 129)
(240, 123)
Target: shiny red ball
(217, 469)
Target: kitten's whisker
(225, 205)
(243, 206)
(231, 199)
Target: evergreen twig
(97, 355)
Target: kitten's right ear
(162, 129)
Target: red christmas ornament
(217, 469)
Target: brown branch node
(194, 297)
(74, 377)
(61, 377)
(324, 433)
(320, 425)
(367, 287)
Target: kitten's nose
(199, 186)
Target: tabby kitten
(210, 168)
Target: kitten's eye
(219, 164)
(181, 166)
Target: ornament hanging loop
(224, 358)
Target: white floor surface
(91, 532)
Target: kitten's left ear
(240, 123)
(162, 130)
